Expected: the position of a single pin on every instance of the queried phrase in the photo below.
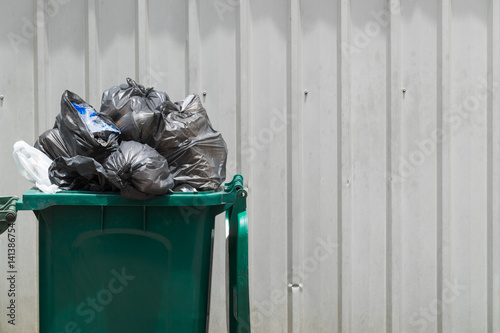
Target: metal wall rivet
(295, 285)
(306, 91)
(204, 93)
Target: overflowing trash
(79, 173)
(92, 135)
(140, 144)
(133, 109)
(195, 151)
(51, 144)
(138, 171)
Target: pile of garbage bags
(139, 143)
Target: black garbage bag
(138, 171)
(51, 144)
(196, 153)
(84, 131)
(79, 173)
(133, 108)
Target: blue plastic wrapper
(91, 118)
(85, 132)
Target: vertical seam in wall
(244, 125)
(393, 147)
(489, 172)
(41, 62)
(289, 170)
(243, 115)
(142, 61)
(186, 50)
(137, 37)
(193, 48)
(146, 43)
(243, 84)
(87, 50)
(494, 106)
(344, 174)
(493, 155)
(92, 77)
(339, 164)
(36, 77)
(444, 227)
(239, 85)
(295, 161)
(42, 106)
(439, 156)
(388, 162)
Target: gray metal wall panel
(367, 132)
(17, 118)
(419, 185)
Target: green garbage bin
(108, 264)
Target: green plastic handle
(8, 212)
(239, 300)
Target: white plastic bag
(34, 165)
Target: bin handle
(238, 297)
(8, 212)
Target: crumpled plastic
(165, 145)
(51, 144)
(133, 108)
(79, 173)
(79, 139)
(196, 153)
(34, 165)
(138, 171)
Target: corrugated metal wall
(368, 133)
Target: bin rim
(34, 199)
